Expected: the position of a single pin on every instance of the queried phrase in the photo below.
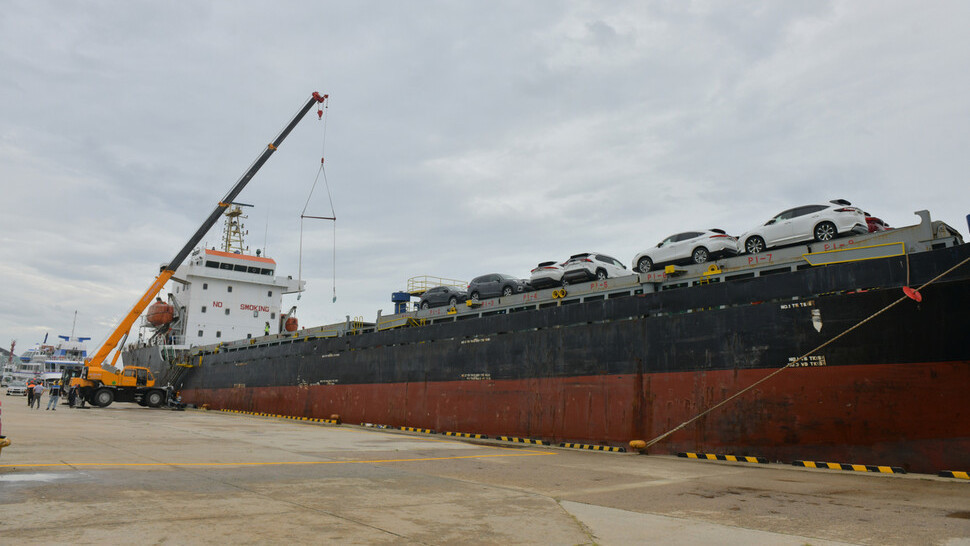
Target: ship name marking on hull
(812, 361)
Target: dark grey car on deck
(442, 295)
(496, 284)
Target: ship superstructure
(220, 295)
(48, 361)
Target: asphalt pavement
(200, 477)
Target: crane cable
(909, 294)
(321, 114)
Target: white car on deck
(546, 275)
(592, 265)
(837, 218)
(690, 246)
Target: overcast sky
(462, 138)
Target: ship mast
(232, 234)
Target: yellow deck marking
(274, 463)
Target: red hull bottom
(916, 416)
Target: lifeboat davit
(160, 313)
(291, 324)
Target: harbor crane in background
(101, 386)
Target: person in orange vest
(30, 393)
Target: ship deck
(83, 476)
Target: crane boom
(169, 270)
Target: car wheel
(453, 301)
(425, 305)
(700, 255)
(825, 231)
(754, 245)
(474, 296)
(507, 291)
(644, 265)
(600, 274)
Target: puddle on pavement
(35, 477)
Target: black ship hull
(891, 392)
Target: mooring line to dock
(803, 357)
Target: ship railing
(421, 284)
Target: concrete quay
(127, 473)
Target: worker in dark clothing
(30, 393)
(54, 397)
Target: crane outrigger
(101, 386)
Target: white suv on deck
(592, 265)
(691, 246)
(805, 223)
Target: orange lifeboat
(291, 324)
(160, 313)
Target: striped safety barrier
(523, 440)
(718, 457)
(853, 467)
(293, 417)
(422, 430)
(594, 447)
(467, 435)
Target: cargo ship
(864, 339)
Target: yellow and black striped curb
(467, 435)
(718, 457)
(523, 440)
(422, 430)
(955, 474)
(853, 467)
(594, 447)
(293, 417)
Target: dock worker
(38, 391)
(266, 329)
(30, 393)
(54, 396)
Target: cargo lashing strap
(907, 291)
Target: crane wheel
(103, 397)
(154, 399)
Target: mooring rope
(801, 358)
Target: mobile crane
(100, 386)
